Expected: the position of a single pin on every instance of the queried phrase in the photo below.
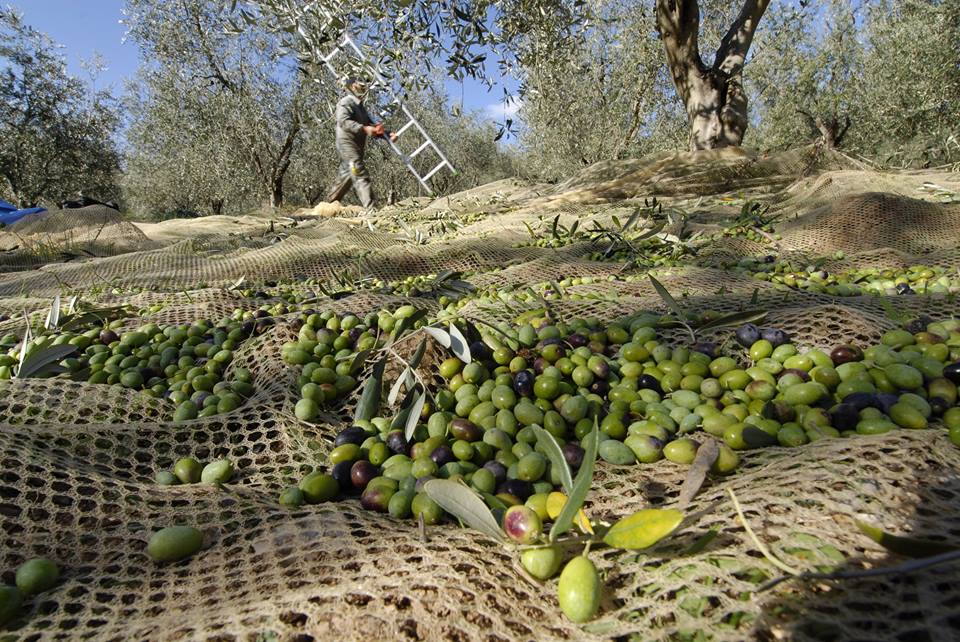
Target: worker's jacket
(351, 118)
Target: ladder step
(434, 170)
(409, 124)
(333, 53)
(420, 149)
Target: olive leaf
(673, 305)
(643, 529)
(459, 345)
(413, 414)
(667, 298)
(632, 220)
(697, 474)
(406, 323)
(906, 546)
(418, 355)
(735, 318)
(369, 404)
(581, 486)
(464, 504)
(42, 362)
(357, 364)
(440, 336)
(558, 462)
(702, 542)
(653, 231)
(53, 316)
(404, 377)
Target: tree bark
(831, 131)
(713, 97)
(276, 192)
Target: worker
(354, 125)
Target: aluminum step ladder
(347, 47)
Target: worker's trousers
(352, 172)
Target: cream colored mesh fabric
(77, 460)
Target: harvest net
(77, 460)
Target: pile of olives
(651, 402)
(182, 363)
(327, 346)
(917, 279)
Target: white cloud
(504, 109)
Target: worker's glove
(378, 129)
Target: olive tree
(241, 83)
(56, 132)
(713, 95)
(175, 163)
(876, 77)
(604, 94)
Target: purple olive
(747, 335)
(361, 473)
(573, 453)
(600, 387)
(774, 336)
(845, 354)
(886, 400)
(803, 374)
(539, 364)
(577, 340)
(376, 498)
(649, 382)
(397, 443)
(341, 473)
(523, 383)
(351, 435)
(516, 487)
(499, 470)
(708, 348)
(464, 429)
(442, 454)
(479, 351)
(844, 416)
(952, 372)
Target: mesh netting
(78, 460)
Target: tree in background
(600, 96)
(876, 77)
(909, 105)
(174, 164)
(234, 95)
(56, 132)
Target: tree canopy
(56, 131)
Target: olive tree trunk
(713, 96)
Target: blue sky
(84, 27)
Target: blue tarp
(9, 213)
